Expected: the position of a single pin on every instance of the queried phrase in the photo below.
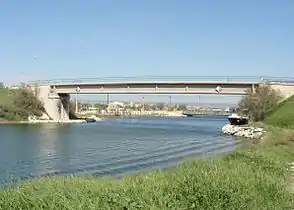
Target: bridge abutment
(56, 105)
(286, 90)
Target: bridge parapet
(261, 79)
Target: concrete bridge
(55, 94)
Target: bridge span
(55, 94)
(154, 87)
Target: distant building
(230, 109)
(217, 109)
(13, 87)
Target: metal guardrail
(167, 78)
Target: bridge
(55, 94)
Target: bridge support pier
(253, 89)
(56, 106)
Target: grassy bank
(250, 178)
(283, 116)
(254, 178)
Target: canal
(109, 147)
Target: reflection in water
(110, 147)
(47, 145)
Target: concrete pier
(57, 107)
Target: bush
(18, 104)
(257, 104)
(26, 99)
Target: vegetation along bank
(18, 104)
(255, 177)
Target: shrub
(256, 104)
(26, 99)
(18, 104)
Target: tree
(2, 85)
(160, 106)
(100, 106)
(26, 100)
(182, 107)
(257, 104)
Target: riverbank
(256, 177)
(74, 121)
(44, 122)
(244, 131)
(251, 178)
(138, 114)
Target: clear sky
(113, 38)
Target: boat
(92, 119)
(235, 119)
(89, 120)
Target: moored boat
(92, 119)
(235, 119)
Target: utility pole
(107, 99)
(77, 93)
(143, 103)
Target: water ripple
(111, 147)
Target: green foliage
(18, 104)
(182, 107)
(259, 103)
(101, 106)
(283, 116)
(6, 96)
(26, 99)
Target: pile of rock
(247, 132)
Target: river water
(109, 147)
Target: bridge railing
(166, 78)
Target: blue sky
(108, 38)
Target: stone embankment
(243, 131)
(45, 119)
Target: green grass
(283, 116)
(254, 178)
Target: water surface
(110, 147)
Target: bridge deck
(76, 84)
(154, 87)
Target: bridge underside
(154, 88)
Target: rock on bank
(243, 131)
